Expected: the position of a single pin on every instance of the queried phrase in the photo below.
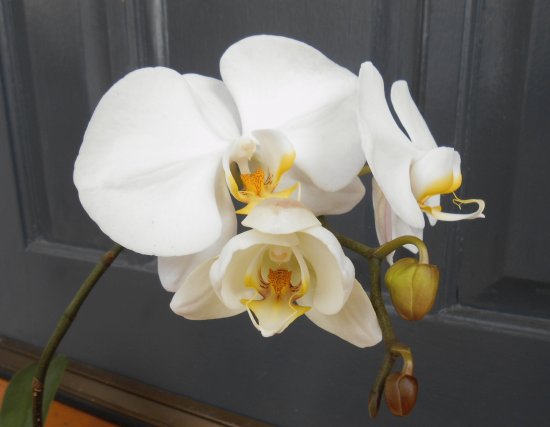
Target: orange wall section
(61, 415)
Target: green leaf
(53, 379)
(17, 406)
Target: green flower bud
(413, 287)
(400, 391)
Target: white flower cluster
(283, 135)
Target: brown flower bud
(400, 391)
(413, 287)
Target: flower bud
(413, 287)
(400, 391)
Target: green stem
(387, 248)
(393, 349)
(375, 395)
(347, 242)
(62, 327)
(388, 334)
(401, 350)
(355, 246)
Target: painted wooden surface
(479, 71)
(61, 415)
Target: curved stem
(348, 242)
(62, 327)
(388, 248)
(355, 246)
(393, 349)
(377, 389)
(405, 353)
(388, 335)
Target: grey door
(480, 72)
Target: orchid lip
(280, 276)
(449, 185)
(253, 170)
(437, 213)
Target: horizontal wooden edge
(515, 324)
(106, 393)
(489, 320)
(507, 323)
(61, 250)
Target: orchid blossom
(409, 173)
(164, 151)
(287, 266)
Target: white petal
(322, 202)
(388, 225)
(280, 216)
(382, 214)
(410, 117)
(401, 228)
(389, 153)
(174, 270)
(433, 201)
(196, 299)
(356, 322)
(147, 168)
(275, 152)
(328, 144)
(334, 272)
(216, 105)
(228, 272)
(276, 79)
(375, 115)
(436, 172)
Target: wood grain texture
(118, 399)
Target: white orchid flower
(288, 265)
(162, 149)
(410, 173)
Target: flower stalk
(63, 326)
(391, 246)
(393, 349)
(374, 256)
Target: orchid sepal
(410, 173)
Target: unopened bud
(413, 287)
(400, 391)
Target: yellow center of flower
(251, 188)
(279, 281)
(254, 182)
(274, 306)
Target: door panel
(478, 70)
